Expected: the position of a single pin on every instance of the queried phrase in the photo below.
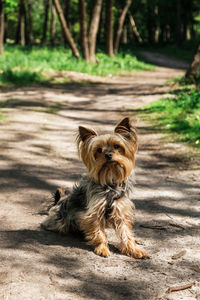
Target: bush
(180, 115)
(20, 78)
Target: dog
(102, 198)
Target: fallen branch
(162, 227)
(177, 225)
(169, 217)
(180, 288)
(159, 227)
(178, 255)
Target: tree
(99, 21)
(137, 34)
(66, 29)
(21, 36)
(94, 28)
(109, 28)
(53, 24)
(29, 22)
(194, 67)
(45, 24)
(1, 25)
(120, 24)
(88, 42)
(83, 30)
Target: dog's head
(109, 158)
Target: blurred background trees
(174, 21)
(84, 25)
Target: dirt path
(38, 154)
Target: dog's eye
(116, 146)
(99, 150)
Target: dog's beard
(111, 173)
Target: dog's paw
(134, 252)
(102, 250)
(138, 253)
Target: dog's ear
(125, 129)
(85, 133)
(123, 125)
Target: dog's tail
(60, 192)
(55, 220)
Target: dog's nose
(108, 156)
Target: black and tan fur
(102, 198)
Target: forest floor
(38, 154)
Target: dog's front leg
(93, 230)
(97, 238)
(128, 244)
(121, 219)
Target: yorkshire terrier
(102, 198)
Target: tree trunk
(130, 32)
(139, 39)
(156, 16)
(20, 37)
(178, 23)
(124, 35)
(45, 24)
(53, 24)
(194, 68)
(22, 23)
(120, 24)
(83, 30)
(94, 28)
(1, 25)
(5, 28)
(186, 19)
(109, 28)
(101, 27)
(29, 19)
(66, 29)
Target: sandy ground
(38, 154)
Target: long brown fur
(103, 195)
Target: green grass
(21, 65)
(179, 116)
(21, 78)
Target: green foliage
(20, 78)
(25, 64)
(188, 100)
(148, 15)
(10, 5)
(180, 115)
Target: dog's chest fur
(88, 198)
